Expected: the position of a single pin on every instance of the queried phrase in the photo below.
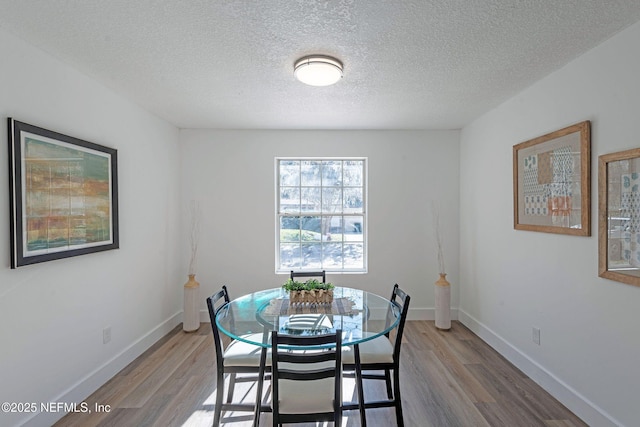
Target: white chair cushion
(306, 397)
(377, 350)
(240, 353)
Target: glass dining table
(360, 315)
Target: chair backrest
(401, 300)
(322, 274)
(299, 356)
(215, 303)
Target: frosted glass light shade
(318, 70)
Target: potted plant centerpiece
(310, 292)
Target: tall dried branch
(436, 226)
(194, 236)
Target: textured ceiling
(414, 64)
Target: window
(321, 214)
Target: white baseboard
(569, 397)
(94, 380)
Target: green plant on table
(309, 285)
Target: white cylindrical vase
(191, 314)
(443, 303)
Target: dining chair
(382, 354)
(306, 383)
(322, 274)
(237, 357)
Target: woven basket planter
(317, 296)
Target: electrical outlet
(536, 335)
(106, 335)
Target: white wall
(514, 280)
(232, 174)
(52, 314)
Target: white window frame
(279, 214)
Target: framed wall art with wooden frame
(552, 182)
(619, 216)
(64, 195)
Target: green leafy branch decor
(309, 285)
(310, 292)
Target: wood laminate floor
(447, 379)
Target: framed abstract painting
(552, 182)
(64, 195)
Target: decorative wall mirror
(619, 216)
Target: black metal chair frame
(301, 357)
(322, 274)
(221, 369)
(393, 388)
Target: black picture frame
(63, 195)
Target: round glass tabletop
(361, 316)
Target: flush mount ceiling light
(318, 70)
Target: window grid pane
(321, 219)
